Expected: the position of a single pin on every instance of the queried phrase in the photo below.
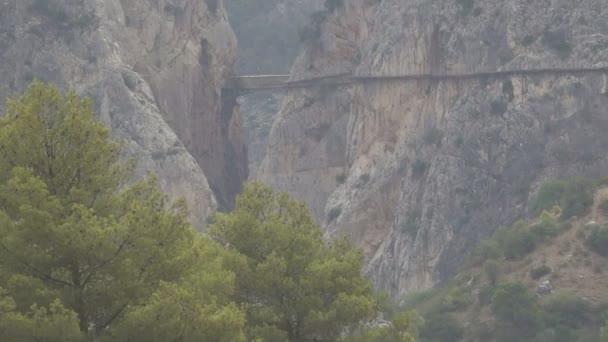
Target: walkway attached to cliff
(251, 83)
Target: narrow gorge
(417, 172)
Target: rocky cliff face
(417, 172)
(154, 69)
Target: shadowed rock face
(154, 69)
(417, 173)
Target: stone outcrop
(418, 172)
(154, 69)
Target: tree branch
(34, 269)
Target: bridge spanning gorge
(252, 83)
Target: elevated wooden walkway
(251, 83)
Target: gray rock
(154, 70)
(447, 163)
(544, 288)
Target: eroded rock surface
(154, 69)
(419, 172)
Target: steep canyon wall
(154, 69)
(418, 172)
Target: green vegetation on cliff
(538, 280)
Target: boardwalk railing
(250, 83)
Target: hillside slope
(561, 260)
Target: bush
(518, 243)
(547, 227)
(485, 294)
(598, 240)
(489, 249)
(454, 300)
(466, 6)
(540, 271)
(212, 5)
(60, 17)
(333, 214)
(441, 328)
(419, 168)
(51, 11)
(341, 178)
(604, 206)
(459, 141)
(558, 42)
(433, 136)
(528, 40)
(313, 30)
(332, 5)
(567, 309)
(513, 305)
(574, 197)
(498, 107)
(492, 269)
(364, 178)
(412, 223)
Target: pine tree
(295, 285)
(79, 244)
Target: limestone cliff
(154, 69)
(418, 172)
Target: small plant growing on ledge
(540, 271)
(498, 107)
(528, 40)
(433, 136)
(333, 214)
(558, 42)
(598, 241)
(419, 168)
(312, 31)
(466, 6)
(332, 5)
(604, 206)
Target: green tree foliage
(55, 323)
(604, 334)
(517, 312)
(441, 327)
(404, 328)
(574, 197)
(565, 309)
(540, 271)
(81, 248)
(598, 240)
(332, 5)
(518, 240)
(492, 269)
(294, 284)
